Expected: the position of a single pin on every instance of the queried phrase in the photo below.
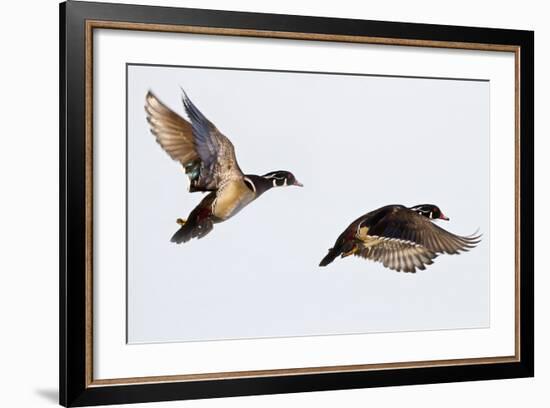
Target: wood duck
(401, 238)
(208, 158)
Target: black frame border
(73, 389)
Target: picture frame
(79, 297)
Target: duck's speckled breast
(231, 198)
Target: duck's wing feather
(398, 255)
(407, 225)
(217, 154)
(208, 155)
(171, 131)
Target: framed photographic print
(256, 203)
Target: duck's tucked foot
(181, 221)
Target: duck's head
(281, 178)
(430, 211)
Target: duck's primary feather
(398, 255)
(219, 163)
(171, 131)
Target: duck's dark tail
(192, 229)
(333, 253)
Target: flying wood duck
(401, 238)
(208, 158)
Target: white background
(28, 166)
(271, 250)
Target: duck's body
(209, 160)
(230, 198)
(220, 205)
(401, 238)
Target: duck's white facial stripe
(429, 215)
(278, 179)
(250, 183)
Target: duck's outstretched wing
(206, 154)
(171, 131)
(408, 226)
(219, 163)
(397, 255)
